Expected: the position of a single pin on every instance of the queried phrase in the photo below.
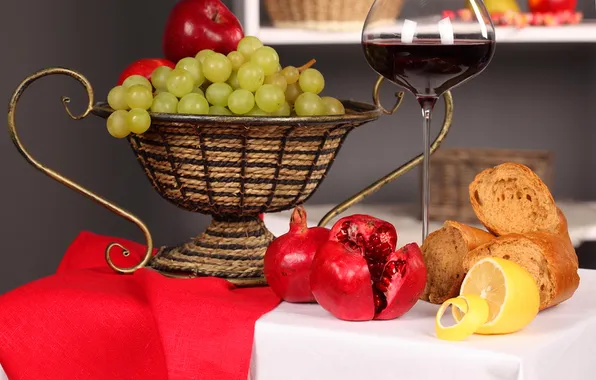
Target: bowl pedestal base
(230, 248)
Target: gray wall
(531, 96)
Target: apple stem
(307, 65)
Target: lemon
(511, 293)
(475, 311)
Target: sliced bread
(444, 251)
(511, 198)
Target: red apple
(551, 6)
(195, 25)
(144, 67)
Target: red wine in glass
(428, 54)
(426, 68)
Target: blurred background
(534, 95)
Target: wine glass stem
(427, 107)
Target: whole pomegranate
(288, 259)
(358, 275)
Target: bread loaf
(511, 198)
(444, 251)
(549, 257)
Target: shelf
(250, 15)
(581, 33)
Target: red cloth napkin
(87, 322)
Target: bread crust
(473, 237)
(562, 264)
(482, 177)
(563, 228)
(559, 254)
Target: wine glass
(428, 50)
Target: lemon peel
(475, 314)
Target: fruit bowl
(232, 168)
(235, 168)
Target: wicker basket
(452, 171)
(234, 168)
(327, 15)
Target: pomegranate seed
(375, 269)
(383, 284)
(380, 301)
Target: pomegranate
(288, 259)
(358, 275)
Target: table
(298, 341)
(581, 217)
(308, 332)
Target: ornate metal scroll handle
(377, 97)
(358, 197)
(65, 181)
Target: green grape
(180, 82)
(278, 68)
(233, 81)
(241, 101)
(270, 98)
(118, 124)
(237, 59)
(164, 102)
(159, 77)
(117, 98)
(309, 104)
(198, 90)
(218, 94)
(193, 104)
(139, 121)
(251, 76)
(278, 80)
(139, 96)
(217, 110)
(137, 79)
(285, 110)
(311, 80)
(267, 58)
(194, 67)
(292, 92)
(333, 106)
(248, 45)
(291, 74)
(256, 111)
(204, 54)
(217, 68)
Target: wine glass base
(231, 248)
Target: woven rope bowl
(235, 168)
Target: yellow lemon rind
(475, 310)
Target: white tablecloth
(581, 218)
(299, 342)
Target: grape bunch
(248, 81)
